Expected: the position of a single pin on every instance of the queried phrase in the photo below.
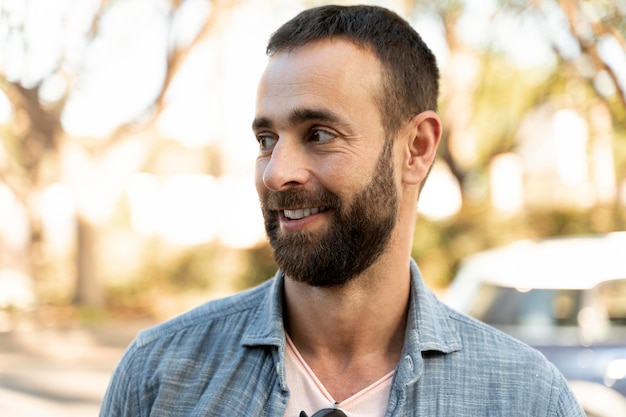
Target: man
(347, 133)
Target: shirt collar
(429, 326)
(267, 327)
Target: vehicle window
(612, 295)
(511, 306)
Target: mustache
(299, 198)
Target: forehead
(332, 73)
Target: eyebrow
(261, 123)
(298, 116)
(304, 115)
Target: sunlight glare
(441, 197)
(14, 229)
(506, 183)
(58, 215)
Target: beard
(356, 237)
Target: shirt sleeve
(120, 399)
(566, 403)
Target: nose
(286, 166)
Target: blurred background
(126, 153)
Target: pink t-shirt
(307, 392)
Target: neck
(376, 295)
(353, 335)
(366, 314)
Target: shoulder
(496, 355)
(232, 311)
(197, 339)
(511, 368)
(166, 363)
(455, 341)
(468, 325)
(475, 333)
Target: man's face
(325, 173)
(356, 235)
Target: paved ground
(57, 372)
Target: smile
(302, 213)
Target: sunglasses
(326, 412)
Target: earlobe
(422, 142)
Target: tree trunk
(88, 287)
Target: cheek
(345, 178)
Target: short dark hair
(410, 73)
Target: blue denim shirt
(226, 358)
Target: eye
(266, 142)
(322, 136)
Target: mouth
(298, 214)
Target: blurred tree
(485, 97)
(598, 29)
(481, 108)
(39, 150)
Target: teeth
(302, 213)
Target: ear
(422, 139)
